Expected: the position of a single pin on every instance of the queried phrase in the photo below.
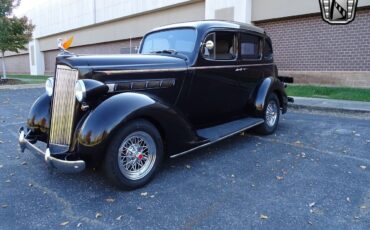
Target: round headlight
(80, 90)
(49, 84)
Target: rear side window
(250, 46)
(267, 51)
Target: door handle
(240, 69)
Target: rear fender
(270, 85)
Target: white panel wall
(56, 16)
(107, 10)
(242, 9)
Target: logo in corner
(338, 11)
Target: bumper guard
(62, 165)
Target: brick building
(305, 46)
(313, 51)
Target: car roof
(207, 24)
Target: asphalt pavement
(313, 173)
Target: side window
(267, 51)
(208, 49)
(250, 47)
(220, 46)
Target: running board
(220, 132)
(228, 129)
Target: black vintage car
(190, 85)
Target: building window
(250, 46)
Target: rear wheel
(271, 115)
(134, 155)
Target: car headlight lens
(49, 85)
(80, 91)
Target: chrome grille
(64, 104)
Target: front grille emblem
(338, 11)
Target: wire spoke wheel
(271, 113)
(137, 155)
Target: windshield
(179, 40)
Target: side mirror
(210, 45)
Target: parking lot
(313, 173)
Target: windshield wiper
(169, 51)
(172, 52)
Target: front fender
(270, 84)
(101, 124)
(108, 115)
(38, 119)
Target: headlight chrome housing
(80, 90)
(49, 85)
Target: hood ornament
(63, 45)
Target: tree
(15, 32)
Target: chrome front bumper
(62, 165)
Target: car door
(215, 87)
(251, 68)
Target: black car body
(190, 85)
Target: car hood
(121, 62)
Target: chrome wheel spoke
(271, 113)
(137, 155)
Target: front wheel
(271, 115)
(134, 155)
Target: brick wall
(310, 44)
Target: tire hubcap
(271, 113)
(136, 155)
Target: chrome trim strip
(229, 66)
(220, 139)
(112, 72)
(111, 87)
(115, 87)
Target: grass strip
(342, 93)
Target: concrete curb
(331, 105)
(23, 86)
(328, 109)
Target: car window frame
(236, 43)
(267, 42)
(193, 54)
(261, 45)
